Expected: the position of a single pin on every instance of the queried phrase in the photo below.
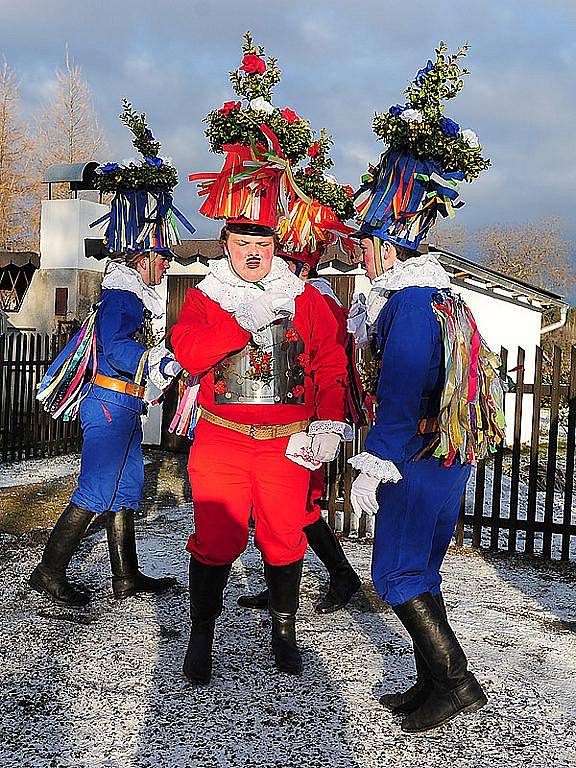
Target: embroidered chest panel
(272, 374)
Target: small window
(61, 302)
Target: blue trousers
(414, 525)
(112, 469)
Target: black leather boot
(283, 592)
(455, 689)
(126, 578)
(258, 601)
(207, 584)
(344, 581)
(49, 576)
(410, 700)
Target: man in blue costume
(111, 479)
(101, 372)
(439, 410)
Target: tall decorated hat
(260, 187)
(317, 215)
(417, 178)
(143, 215)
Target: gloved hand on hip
(363, 494)
(325, 446)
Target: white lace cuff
(337, 427)
(382, 469)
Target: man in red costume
(344, 581)
(273, 382)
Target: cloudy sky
(341, 62)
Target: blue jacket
(411, 377)
(119, 318)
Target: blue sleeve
(119, 318)
(408, 342)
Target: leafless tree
(450, 237)
(15, 202)
(66, 130)
(536, 252)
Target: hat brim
(249, 228)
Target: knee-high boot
(207, 583)
(283, 595)
(344, 581)
(127, 580)
(408, 701)
(50, 574)
(455, 689)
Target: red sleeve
(340, 316)
(204, 335)
(327, 360)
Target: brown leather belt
(117, 385)
(257, 431)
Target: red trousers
(233, 475)
(315, 493)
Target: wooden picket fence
(26, 431)
(521, 500)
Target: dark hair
(404, 254)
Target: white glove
(363, 494)
(356, 322)
(325, 446)
(171, 368)
(267, 307)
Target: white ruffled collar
(120, 277)
(418, 272)
(227, 289)
(322, 285)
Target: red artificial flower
(314, 149)
(290, 116)
(292, 335)
(349, 189)
(220, 387)
(298, 390)
(229, 106)
(253, 65)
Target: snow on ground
(102, 687)
(38, 470)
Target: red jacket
(205, 334)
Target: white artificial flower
(411, 116)
(470, 137)
(330, 178)
(260, 104)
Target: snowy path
(103, 688)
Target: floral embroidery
(291, 335)
(298, 390)
(261, 365)
(220, 387)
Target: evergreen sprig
(241, 124)
(428, 134)
(313, 181)
(251, 85)
(152, 173)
